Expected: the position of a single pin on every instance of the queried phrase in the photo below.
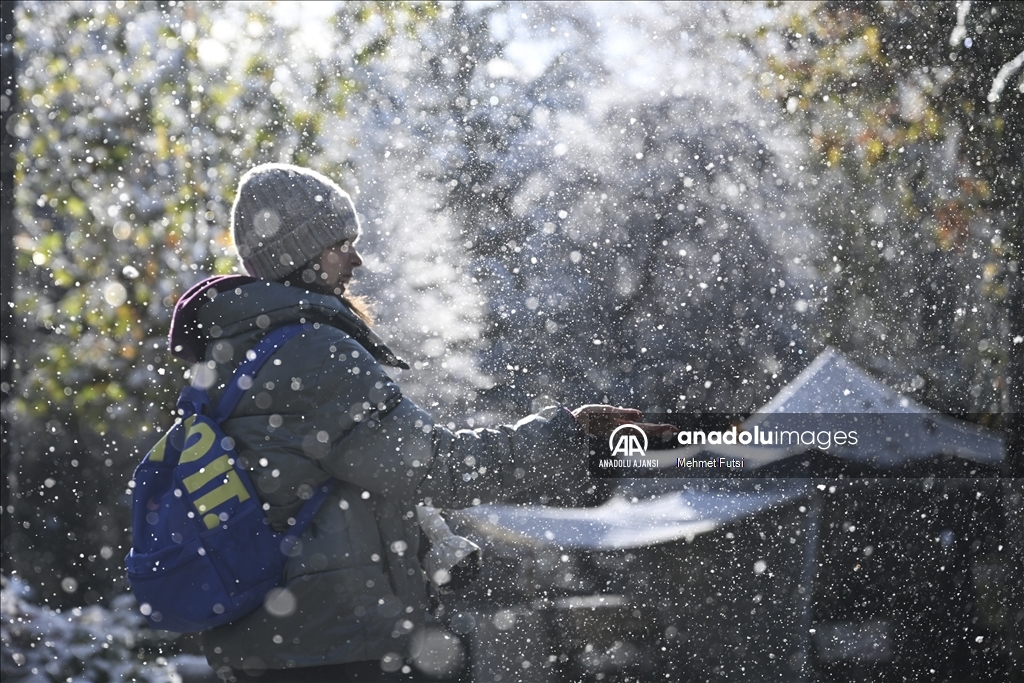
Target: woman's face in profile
(337, 263)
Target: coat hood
(187, 339)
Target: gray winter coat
(323, 406)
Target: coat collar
(234, 304)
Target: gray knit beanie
(284, 216)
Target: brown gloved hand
(601, 420)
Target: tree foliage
(620, 247)
(138, 120)
(918, 193)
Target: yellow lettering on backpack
(231, 488)
(200, 447)
(194, 482)
(157, 453)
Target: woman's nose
(354, 256)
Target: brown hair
(361, 306)
(306, 276)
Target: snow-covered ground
(88, 644)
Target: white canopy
(834, 394)
(623, 524)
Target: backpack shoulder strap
(242, 378)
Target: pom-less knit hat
(284, 216)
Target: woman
(354, 593)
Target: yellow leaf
(871, 39)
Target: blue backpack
(203, 553)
